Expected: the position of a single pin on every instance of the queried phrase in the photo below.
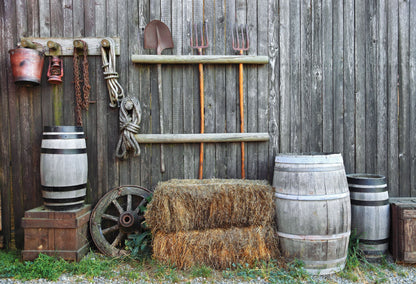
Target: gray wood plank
(112, 26)
(327, 76)
(299, 86)
(317, 79)
(190, 97)
(301, 103)
(371, 88)
(360, 57)
(251, 107)
(392, 109)
(412, 94)
(349, 94)
(404, 100)
(103, 109)
(219, 30)
(264, 167)
(231, 105)
(132, 87)
(381, 92)
(123, 63)
(338, 74)
(144, 97)
(210, 89)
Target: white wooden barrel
(313, 211)
(63, 167)
(370, 213)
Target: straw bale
(185, 205)
(217, 248)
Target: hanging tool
(199, 40)
(241, 43)
(157, 35)
(82, 98)
(56, 68)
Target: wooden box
(403, 229)
(57, 233)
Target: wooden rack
(196, 59)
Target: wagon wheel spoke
(110, 217)
(128, 202)
(142, 203)
(117, 239)
(118, 206)
(110, 229)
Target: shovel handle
(160, 94)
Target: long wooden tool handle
(159, 90)
(241, 79)
(201, 97)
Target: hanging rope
(115, 90)
(130, 116)
(82, 100)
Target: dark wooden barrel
(313, 211)
(63, 167)
(370, 213)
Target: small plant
(201, 271)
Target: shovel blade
(157, 36)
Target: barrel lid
(309, 158)
(63, 129)
(366, 179)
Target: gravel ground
(396, 274)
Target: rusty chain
(82, 100)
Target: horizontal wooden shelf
(67, 44)
(196, 59)
(202, 138)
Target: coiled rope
(130, 113)
(129, 116)
(115, 90)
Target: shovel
(157, 36)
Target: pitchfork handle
(241, 79)
(201, 97)
(159, 90)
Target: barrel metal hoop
(64, 188)
(367, 189)
(63, 151)
(63, 129)
(66, 201)
(374, 242)
(314, 237)
(369, 203)
(321, 168)
(312, 197)
(374, 252)
(323, 262)
(63, 136)
(321, 158)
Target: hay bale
(218, 248)
(185, 205)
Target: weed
(201, 271)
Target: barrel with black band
(313, 212)
(370, 213)
(63, 167)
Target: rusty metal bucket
(27, 66)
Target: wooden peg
(55, 48)
(28, 44)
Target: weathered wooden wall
(341, 77)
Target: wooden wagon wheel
(117, 215)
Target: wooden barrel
(370, 213)
(313, 210)
(63, 167)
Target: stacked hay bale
(216, 222)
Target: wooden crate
(57, 233)
(403, 229)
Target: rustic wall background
(341, 77)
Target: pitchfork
(199, 40)
(241, 42)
